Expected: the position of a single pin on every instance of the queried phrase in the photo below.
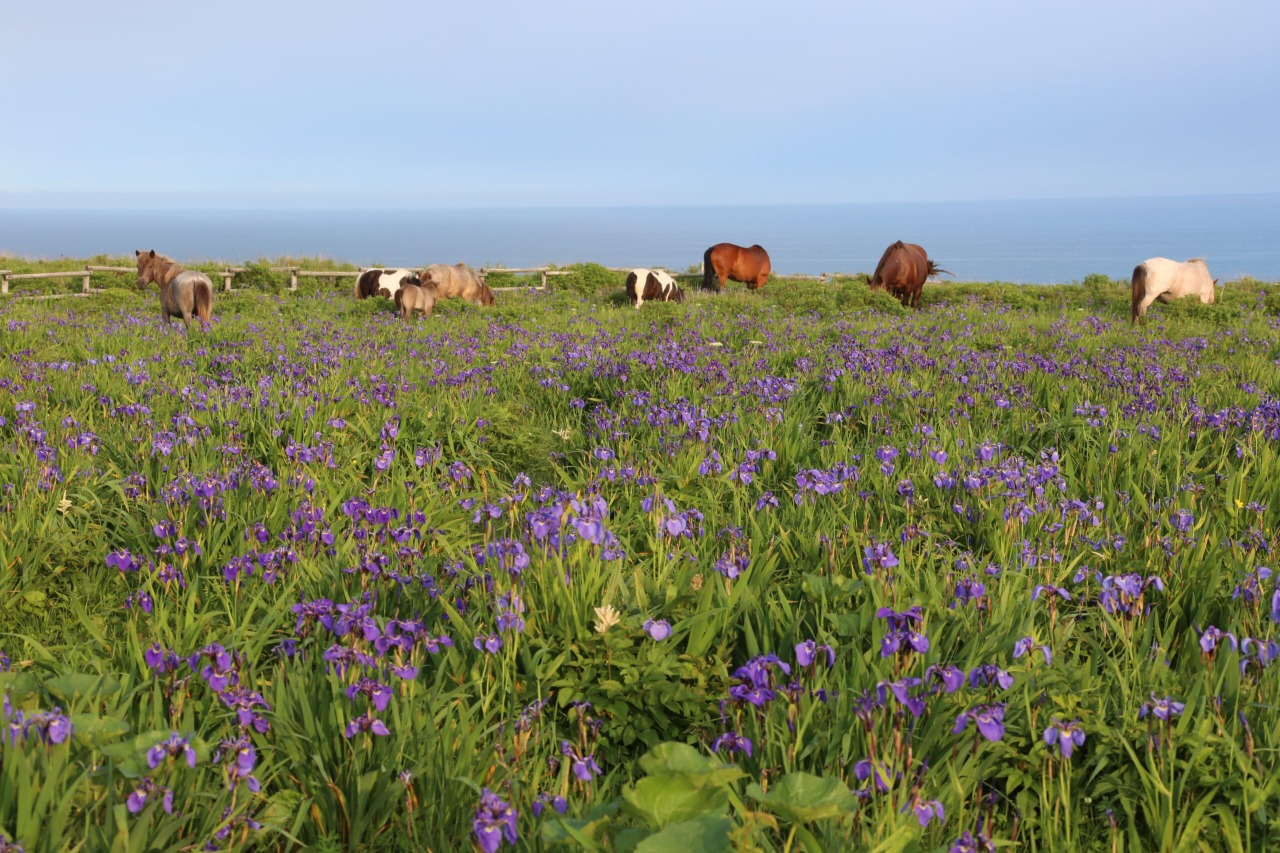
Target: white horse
(1166, 280)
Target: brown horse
(411, 297)
(727, 262)
(902, 270)
(458, 281)
(1165, 280)
(183, 292)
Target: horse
(902, 271)
(458, 281)
(183, 292)
(657, 285)
(1166, 280)
(383, 282)
(725, 261)
(413, 297)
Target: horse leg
(1146, 302)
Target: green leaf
(662, 800)
(78, 685)
(802, 797)
(704, 834)
(680, 759)
(92, 730)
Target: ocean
(1045, 241)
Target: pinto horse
(654, 285)
(902, 271)
(1165, 280)
(183, 292)
(383, 282)
(727, 262)
(413, 297)
(458, 281)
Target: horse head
(486, 295)
(146, 268)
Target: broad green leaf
(85, 685)
(802, 797)
(662, 800)
(704, 834)
(93, 730)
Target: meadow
(786, 570)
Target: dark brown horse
(902, 270)
(183, 292)
(727, 262)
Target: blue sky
(317, 103)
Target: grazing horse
(902, 270)
(183, 292)
(458, 281)
(653, 285)
(383, 282)
(727, 262)
(413, 297)
(1166, 280)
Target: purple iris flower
(986, 674)
(970, 843)
(366, 723)
(1051, 592)
(733, 742)
(584, 767)
(989, 720)
(807, 653)
(490, 643)
(1182, 520)
(951, 676)
(927, 811)
(494, 821)
(1165, 709)
(175, 745)
(1212, 636)
(1028, 644)
(658, 629)
(1068, 736)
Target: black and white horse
(654, 285)
(384, 282)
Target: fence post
(86, 278)
(4, 282)
(293, 279)
(544, 279)
(226, 280)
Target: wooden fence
(544, 273)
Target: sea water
(1040, 241)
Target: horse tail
(204, 300)
(708, 270)
(1139, 290)
(934, 270)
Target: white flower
(606, 618)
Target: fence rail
(228, 273)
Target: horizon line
(37, 201)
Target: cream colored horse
(458, 280)
(183, 292)
(1166, 280)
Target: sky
(277, 103)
